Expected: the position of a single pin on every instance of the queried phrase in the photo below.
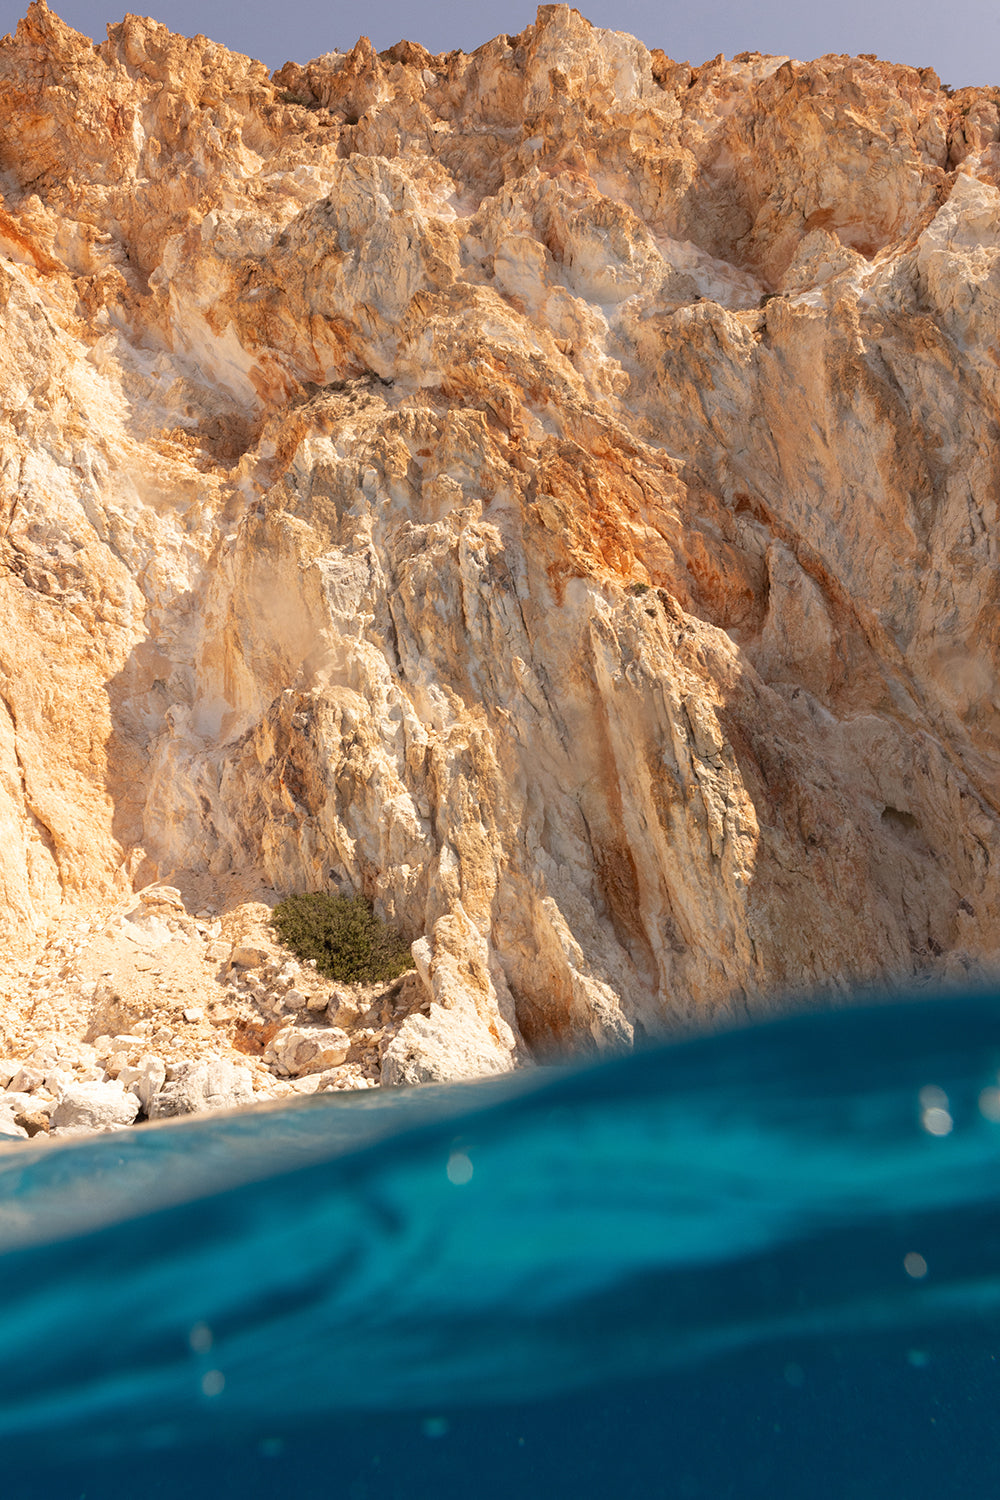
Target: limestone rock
(145, 1079)
(441, 1047)
(245, 957)
(195, 1087)
(16, 1103)
(344, 1007)
(550, 491)
(27, 1079)
(313, 1049)
(95, 1106)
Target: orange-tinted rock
(552, 490)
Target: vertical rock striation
(552, 490)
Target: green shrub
(342, 933)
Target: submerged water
(760, 1264)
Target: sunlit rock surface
(551, 490)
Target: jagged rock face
(552, 490)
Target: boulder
(245, 957)
(95, 1106)
(308, 1049)
(44, 1057)
(308, 1084)
(196, 1087)
(146, 929)
(10, 1131)
(442, 1047)
(145, 1079)
(28, 1078)
(345, 1006)
(167, 895)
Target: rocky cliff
(552, 490)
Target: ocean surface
(764, 1263)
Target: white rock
(27, 1079)
(162, 893)
(10, 1131)
(666, 843)
(45, 1057)
(194, 1087)
(145, 1079)
(148, 931)
(313, 1049)
(443, 1046)
(281, 1088)
(8, 1070)
(193, 1013)
(95, 1106)
(294, 1000)
(17, 1103)
(332, 1077)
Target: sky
(961, 40)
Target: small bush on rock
(342, 933)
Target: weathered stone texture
(552, 490)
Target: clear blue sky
(960, 39)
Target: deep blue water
(759, 1264)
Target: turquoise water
(764, 1263)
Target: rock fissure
(44, 832)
